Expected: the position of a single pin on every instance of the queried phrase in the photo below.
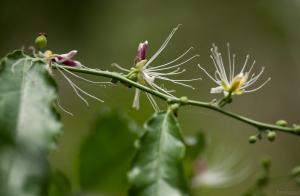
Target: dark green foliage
(106, 153)
(295, 174)
(59, 185)
(157, 165)
(28, 124)
(262, 179)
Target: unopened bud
(174, 108)
(281, 123)
(271, 135)
(295, 172)
(252, 139)
(41, 41)
(262, 179)
(266, 163)
(184, 100)
(296, 128)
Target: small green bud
(170, 100)
(174, 108)
(252, 139)
(184, 100)
(271, 135)
(281, 123)
(296, 128)
(266, 163)
(41, 41)
(295, 172)
(262, 179)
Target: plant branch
(208, 105)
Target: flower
(223, 167)
(67, 60)
(144, 73)
(63, 59)
(232, 83)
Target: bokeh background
(109, 31)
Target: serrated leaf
(157, 166)
(106, 153)
(28, 124)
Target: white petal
(149, 79)
(218, 89)
(136, 100)
(69, 55)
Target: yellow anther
(48, 54)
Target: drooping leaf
(106, 153)
(157, 166)
(28, 124)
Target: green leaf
(106, 153)
(28, 124)
(59, 185)
(295, 175)
(157, 166)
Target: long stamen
(175, 82)
(218, 69)
(252, 90)
(222, 65)
(162, 46)
(86, 93)
(156, 87)
(177, 65)
(175, 72)
(181, 56)
(254, 79)
(251, 67)
(246, 61)
(218, 77)
(84, 79)
(78, 88)
(206, 72)
(218, 61)
(233, 66)
(153, 102)
(74, 88)
(120, 67)
(63, 109)
(229, 61)
(188, 80)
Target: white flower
(144, 73)
(227, 80)
(223, 168)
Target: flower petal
(218, 89)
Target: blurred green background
(109, 31)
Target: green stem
(208, 105)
